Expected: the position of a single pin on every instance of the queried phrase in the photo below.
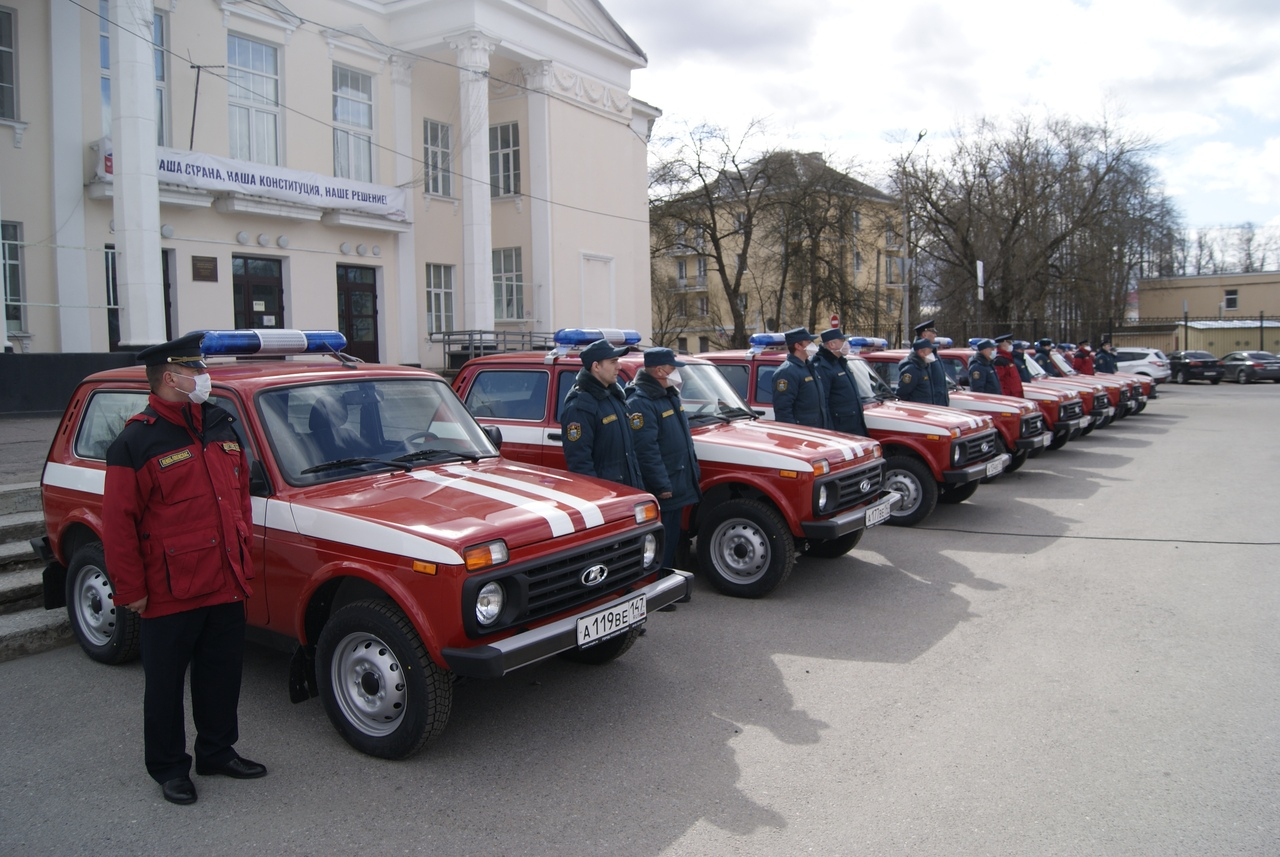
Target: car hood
(991, 403)
(1043, 393)
(781, 446)
(466, 504)
(915, 418)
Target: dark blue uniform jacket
(982, 376)
(798, 395)
(915, 383)
(664, 446)
(842, 392)
(597, 432)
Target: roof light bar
(943, 341)
(576, 337)
(868, 342)
(760, 341)
(270, 342)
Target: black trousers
(211, 641)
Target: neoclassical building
(402, 170)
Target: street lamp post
(906, 243)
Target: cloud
(763, 32)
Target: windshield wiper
(706, 416)
(352, 462)
(735, 411)
(426, 454)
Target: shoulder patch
(174, 458)
(637, 420)
(975, 374)
(780, 385)
(905, 379)
(574, 431)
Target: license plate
(995, 468)
(878, 514)
(1045, 438)
(611, 621)
(1211, 374)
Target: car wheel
(1242, 376)
(381, 690)
(1059, 440)
(912, 479)
(831, 548)
(1182, 376)
(107, 632)
(953, 494)
(745, 548)
(605, 650)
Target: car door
(515, 399)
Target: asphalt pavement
(1081, 660)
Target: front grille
(555, 586)
(1071, 410)
(1101, 402)
(1032, 425)
(972, 448)
(848, 486)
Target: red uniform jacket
(1010, 380)
(1083, 362)
(177, 521)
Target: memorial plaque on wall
(204, 268)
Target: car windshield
(1261, 355)
(870, 387)
(1199, 355)
(706, 394)
(338, 430)
(1061, 362)
(1036, 370)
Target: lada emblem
(595, 574)
(865, 486)
(985, 446)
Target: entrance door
(358, 311)
(258, 292)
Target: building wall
(1256, 293)
(594, 165)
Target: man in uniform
(1006, 370)
(177, 534)
(1083, 361)
(937, 375)
(1019, 357)
(982, 374)
(798, 396)
(664, 446)
(597, 428)
(1043, 356)
(1105, 359)
(914, 382)
(833, 372)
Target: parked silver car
(1144, 361)
(1245, 367)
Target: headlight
(649, 548)
(646, 512)
(489, 603)
(485, 555)
(822, 467)
(956, 452)
(824, 496)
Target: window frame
(11, 50)
(504, 160)
(1230, 300)
(11, 269)
(350, 133)
(437, 160)
(256, 107)
(508, 284)
(444, 295)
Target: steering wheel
(420, 438)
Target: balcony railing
(462, 345)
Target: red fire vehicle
(768, 489)
(1063, 410)
(1018, 421)
(931, 455)
(1133, 395)
(391, 540)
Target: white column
(70, 263)
(537, 77)
(473, 49)
(407, 274)
(135, 188)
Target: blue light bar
(270, 342)
(575, 337)
(974, 340)
(867, 342)
(1021, 344)
(764, 340)
(943, 341)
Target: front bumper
(1070, 428)
(848, 522)
(976, 471)
(502, 656)
(1039, 441)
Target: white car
(1144, 361)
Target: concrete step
(17, 556)
(20, 497)
(30, 632)
(21, 526)
(21, 590)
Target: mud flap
(302, 674)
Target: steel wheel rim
(369, 684)
(741, 550)
(901, 481)
(95, 611)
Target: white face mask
(675, 380)
(810, 350)
(929, 358)
(203, 386)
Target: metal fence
(462, 345)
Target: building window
(508, 285)
(857, 261)
(682, 273)
(439, 298)
(891, 269)
(682, 307)
(113, 297)
(253, 91)
(437, 155)
(702, 272)
(704, 306)
(160, 60)
(855, 222)
(682, 344)
(11, 268)
(353, 125)
(704, 344)
(504, 160)
(8, 67)
(1231, 299)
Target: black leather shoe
(237, 768)
(179, 790)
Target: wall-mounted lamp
(345, 248)
(166, 231)
(283, 242)
(361, 249)
(242, 237)
(263, 239)
(377, 251)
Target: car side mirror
(495, 435)
(258, 485)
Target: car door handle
(554, 435)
